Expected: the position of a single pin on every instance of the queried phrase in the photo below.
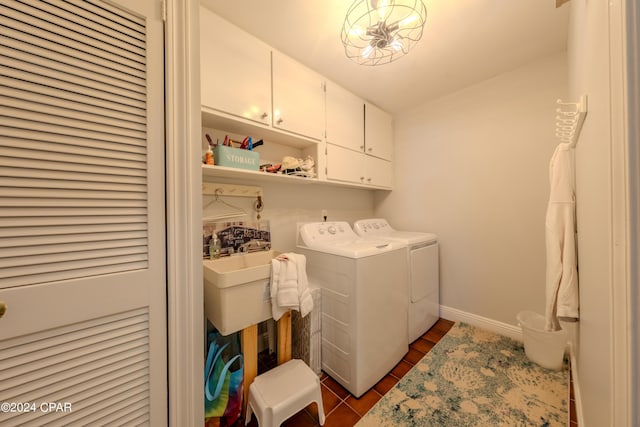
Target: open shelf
(218, 120)
(209, 171)
(227, 172)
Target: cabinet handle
(369, 179)
(279, 121)
(3, 308)
(264, 116)
(362, 147)
(362, 178)
(369, 149)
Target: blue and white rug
(473, 377)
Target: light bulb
(356, 32)
(408, 20)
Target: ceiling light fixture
(377, 32)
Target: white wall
(588, 53)
(472, 167)
(287, 204)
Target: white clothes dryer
(423, 266)
(364, 302)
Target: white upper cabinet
(345, 118)
(235, 70)
(355, 167)
(378, 132)
(345, 165)
(298, 98)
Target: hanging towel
(289, 285)
(562, 275)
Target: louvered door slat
(103, 360)
(62, 18)
(21, 122)
(29, 54)
(116, 408)
(71, 269)
(12, 226)
(118, 359)
(65, 104)
(63, 241)
(12, 19)
(68, 156)
(67, 121)
(100, 155)
(79, 99)
(135, 416)
(109, 18)
(71, 176)
(78, 79)
(67, 84)
(57, 111)
(19, 257)
(70, 332)
(70, 185)
(61, 257)
(95, 170)
(73, 229)
(18, 216)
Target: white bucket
(542, 347)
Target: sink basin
(236, 290)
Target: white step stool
(283, 391)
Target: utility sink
(236, 290)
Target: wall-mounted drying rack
(569, 120)
(227, 210)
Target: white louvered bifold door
(82, 234)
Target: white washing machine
(424, 276)
(364, 302)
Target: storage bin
(236, 157)
(546, 348)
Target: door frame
(624, 42)
(185, 303)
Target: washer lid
(380, 228)
(339, 239)
(412, 237)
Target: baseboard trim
(501, 328)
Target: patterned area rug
(473, 377)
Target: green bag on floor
(223, 378)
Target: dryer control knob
(331, 230)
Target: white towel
(289, 285)
(562, 297)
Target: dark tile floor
(344, 410)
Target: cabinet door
(344, 164)
(378, 132)
(345, 118)
(235, 70)
(298, 98)
(378, 172)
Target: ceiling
(464, 42)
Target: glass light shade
(377, 32)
